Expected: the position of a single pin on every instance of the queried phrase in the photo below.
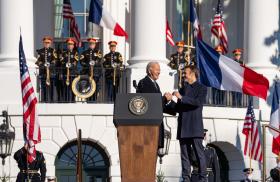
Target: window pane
(65, 28)
(78, 6)
(80, 22)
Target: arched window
(95, 162)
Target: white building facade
(252, 25)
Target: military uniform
(247, 173)
(92, 57)
(237, 96)
(33, 168)
(59, 83)
(179, 59)
(111, 60)
(212, 163)
(218, 95)
(46, 60)
(69, 62)
(275, 174)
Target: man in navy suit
(149, 85)
(190, 125)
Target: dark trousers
(186, 146)
(111, 89)
(195, 177)
(21, 177)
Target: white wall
(60, 122)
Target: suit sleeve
(198, 101)
(140, 87)
(216, 166)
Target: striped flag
(169, 36)
(68, 14)
(218, 27)
(31, 127)
(100, 16)
(223, 73)
(194, 21)
(250, 130)
(275, 118)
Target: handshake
(169, 96)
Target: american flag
(169, 36)
(250, 130)
(218, 27)
(68, 14)
(31, 127)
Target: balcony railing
(59, 92)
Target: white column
(148, 31)
(261, 39)
(13, 15)
(148, 41)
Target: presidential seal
(138, 105)
(83, 86)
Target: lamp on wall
(7, 137)
(167, 138)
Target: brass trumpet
(91, 63)
(47, 65)
(180, 69)
(68, 65)
(115, 65)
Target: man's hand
(177, 94)
(168, 96)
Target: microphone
(134, 83)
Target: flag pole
(250, 152)
(264, 153)
(189, 27)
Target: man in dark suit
(190, 125)
(149, 85)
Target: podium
(137, 118)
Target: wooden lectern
(137, 118)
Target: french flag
(194, 21)
(223, 73)
(275, 119)
(99, 16)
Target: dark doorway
(224, 166)
(96, 163)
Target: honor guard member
(92, 57)
(212, 163)
(46, 60)
(69, 62)
(59, 76)
(113, 64)
(248, 173)
(179, 59)
(30, 170)
(275, 172)
(218, 95)
(237, 96)
(219, 49)
(237, 53)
